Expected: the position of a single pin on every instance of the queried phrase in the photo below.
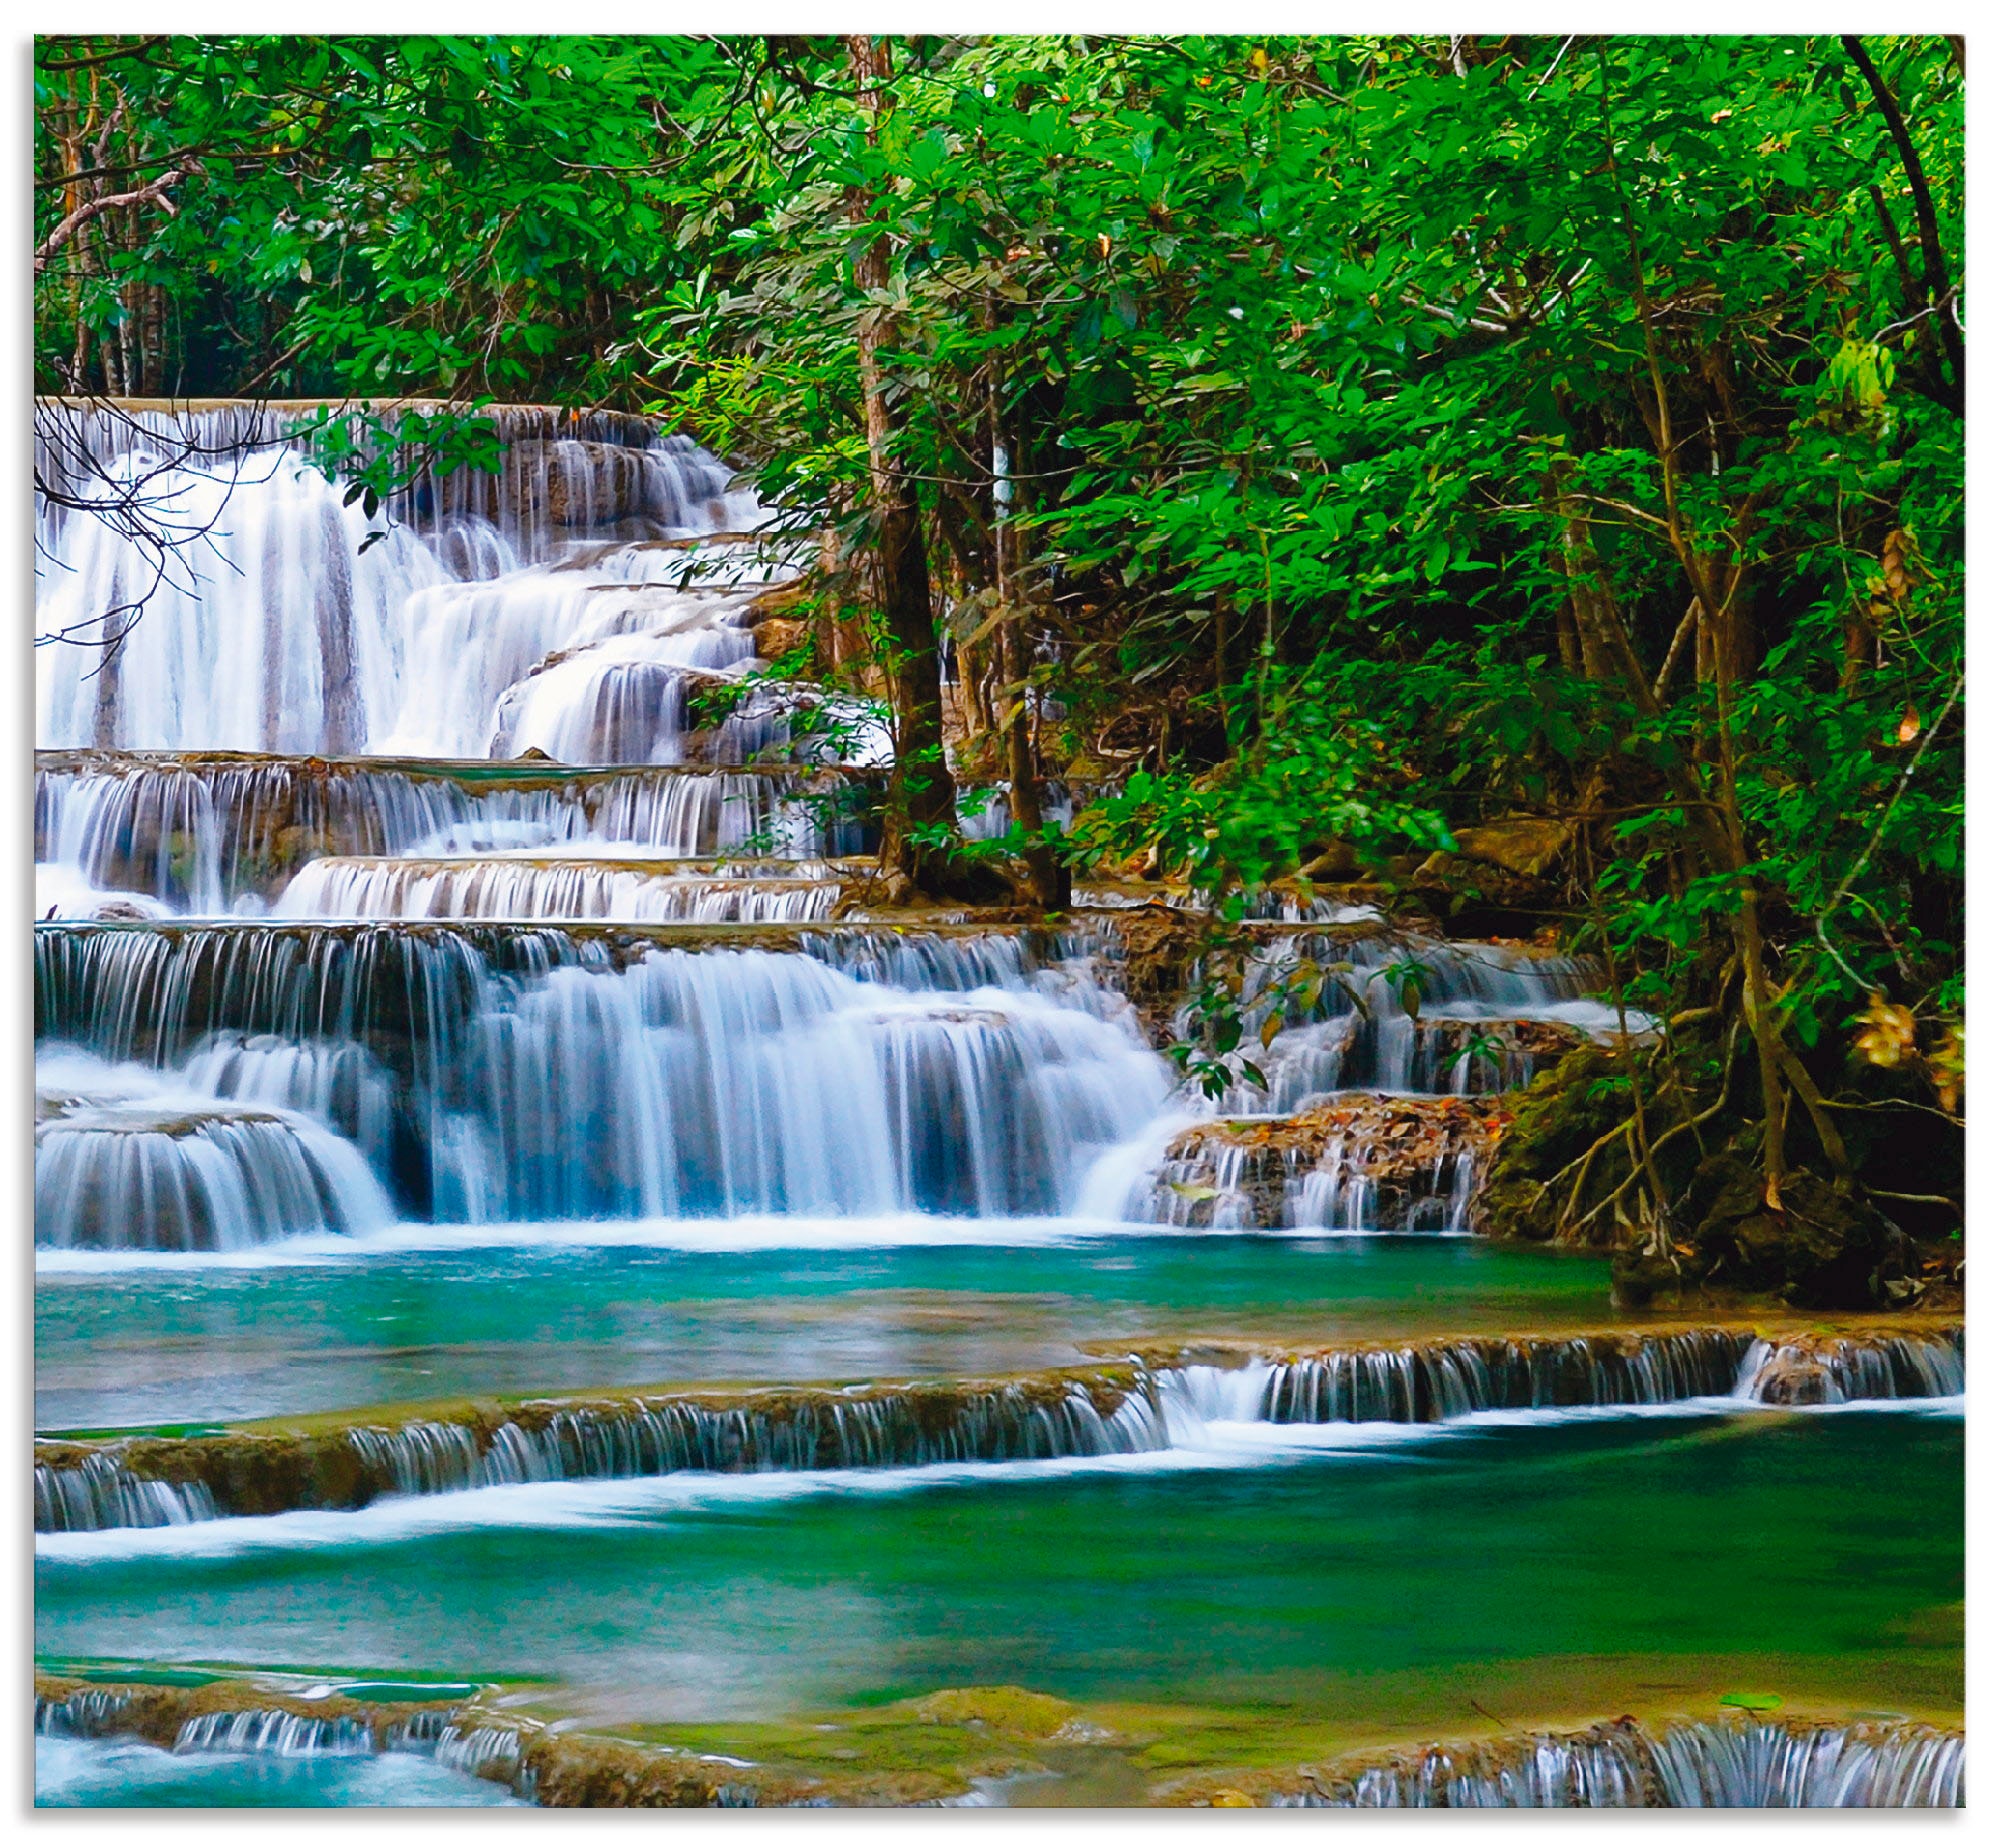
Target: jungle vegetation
(1517, 478)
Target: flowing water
(1814, 1558)
(464, 1052)
(124, 1341)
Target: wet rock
(1524, 846)
(1639, 1279)
(1361, 1160)
(1497, 871)
(1796, 1378)
(1338, 863)
(778, 638)
(1821, 1248)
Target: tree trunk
(920, 787)
(1048, 876)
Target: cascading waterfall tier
(206, 585)
(127, 1158)
(207, 834)
(582, 1073)
(1815, 1371)
(1143, 1404)
(272, 1730)
(224, 1715)
(1681, 1764)
(1371, 1008)
(1741, 1763)
(548, 888)
(100, 1492)
(1363, 1164)
(550, 472)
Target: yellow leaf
(1906, 730)
(1888, 1034)
(1272, 1025)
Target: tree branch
(1927, 230)
(156, 193)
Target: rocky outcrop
(1360, 1161)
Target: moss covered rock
(1557, 1118)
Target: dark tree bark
(920, 785)
(1940, 330)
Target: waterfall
(266, 627)
(1834, 1369)
(1364, 1165)
(229, 595)
(918, 1427)
(1485, 1017)
(543, 889)
(547, 476)
(1686, 1764)
(543, 1075)
(127, 1158)
(1444, 1380)
(83, 1714)
(272, 1730)
(100, 1493)
(203, 835)
(487, 1751)
(1145, 1407)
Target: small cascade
(1687, 1764)
(1817, 1371)
(202, 835)
(273, 1730)
(421, 1459)
(1151, 1405)
(543, 1075)
(544, 889)
(810, 1433)
(100, 1493)
(486, 1750)
(1772, 1765)
(1363, 1165)
(1403, 1014)
(298, 1718)
(1443, 1380)
(418, 1732)
(127, 1159)
(82, 1714)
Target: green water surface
(145, 1342)
(1593, 1566)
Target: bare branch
(156, 193)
